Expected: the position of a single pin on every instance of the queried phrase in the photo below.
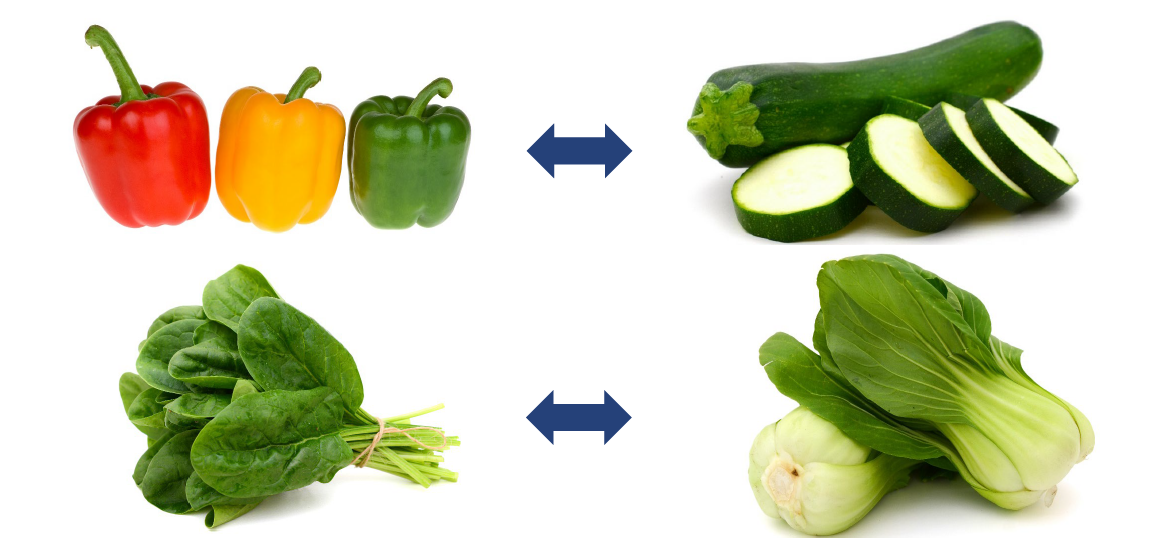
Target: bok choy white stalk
(807, 472)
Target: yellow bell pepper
(279, 156)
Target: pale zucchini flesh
(1020, 151)
(1048, 130)
(803, 178)
(896, 168)
(1030, 142)
(946, 129)
(798, 194)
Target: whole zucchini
(747, 113)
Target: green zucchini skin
(1036, 180)
(824, 219)
(937, 130)
(802, 103)
(1048, 130)
(884, 192)
(904, 108)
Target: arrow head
(543, 152)
(540, 416)
(614, 152)
(614, 417)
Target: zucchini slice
(893, 165)
(798, 194)
(1049, 131)
(946, 129)
(904, 108)
(1020, 151)
(1046, 129)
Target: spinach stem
(411, 415)
(392, 470)
(431, 472)
(405, 466)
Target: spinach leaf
(139, 470)
(216, 333)
(797, 373)
(243, 387)
(194, 410)
(226, 298)
(272, 442)
(209, 364)
(175, 314)
(165, 398)
(143, 415)
(177, 422)
(129, 386)
(201, 495)
(284, 348)
(221, 514)
(154, 360)
(147, 414)
(204, 405)
(164, 483)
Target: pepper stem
(309, 78)
(441, 86)
(97, 36)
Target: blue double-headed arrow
(608, 151)
(607, 417)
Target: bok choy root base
(245, 397)
(907, 366)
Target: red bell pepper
(146, 152)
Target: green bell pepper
(406, 158)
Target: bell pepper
(279, 155)
(146, 153)
(406, 158)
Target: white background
(640, 284)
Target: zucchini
(798, 194)
(904, 108)
(947, 131)
(746, 113)
(1020, 151)
(1049, 131)
(893, 165)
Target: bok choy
(907, 365)
(807, 472)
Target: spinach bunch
(245, 397)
